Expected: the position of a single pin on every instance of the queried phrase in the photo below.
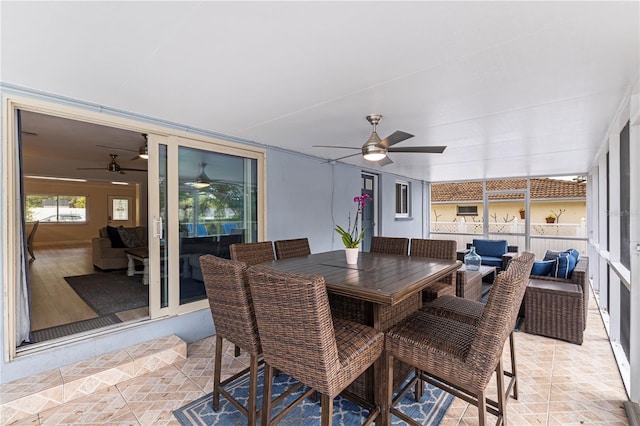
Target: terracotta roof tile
(541, 188)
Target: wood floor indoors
(53, 301)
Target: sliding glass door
(204, 198)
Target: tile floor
(560, 383)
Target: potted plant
(550, 218)
(521, 212)
(351, 238)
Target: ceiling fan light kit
(202, 181)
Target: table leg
(131, 266)
(145, 272)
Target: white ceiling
(512, 88)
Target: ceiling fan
(113, 167)
(376, 150)
(141, 152)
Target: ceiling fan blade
(346, 156)
(395, 137)
(115, 147)
(132, 170)
(421, 149)
(90, 168)
(334, 146)
(384, 162)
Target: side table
(469, 284)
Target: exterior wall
(574, 212)
(97, 199)
(389, 225)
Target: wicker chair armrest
(512, 249)
(460, 254)
(506, 258)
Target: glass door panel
(217, 203)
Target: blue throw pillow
(564, 265)
(542, 268)
(573, 252)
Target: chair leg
(326, 404)
(217, 374)
(388, 403)
(266, 395)
(482, 407)
(253, 390)
(30, 250)
(502, 405)
(514, 371)
(419, 388)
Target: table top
(379, 278)
(484, 269)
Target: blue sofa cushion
(492, 261)
(564, 266)
(552, 255)
(542, 268)
(490, 248)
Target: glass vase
(472, 260)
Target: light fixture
(56, 178)
(372, 150)
(202, 181)
(143, 152)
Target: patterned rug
(428, 411)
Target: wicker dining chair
(470, 312)
(305, 342)
(458, 357)
(436, 249)
(234, 318)
(286, 249)
(252, 253)
(389, 245)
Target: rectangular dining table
(380, 290)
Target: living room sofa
(496, 253)
(105, 256)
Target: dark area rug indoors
(110, 292)
(429, 411)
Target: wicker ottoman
(469, 285)
(555, 310)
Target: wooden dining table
(380, 290)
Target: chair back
(436, 249)
(253, 253)
(222, 249)
(497, 321)
(230, 301)
(389, 245)
(286, 249)
(295, 324)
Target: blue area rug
(428, 411)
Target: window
(467, 211)
(402, 199)
(56, 208)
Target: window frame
(402, 205)
(57, 207)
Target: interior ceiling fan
(376, 149)
(113, 167)
(141, 152)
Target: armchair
(496, 253)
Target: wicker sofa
(556, 307)
(107, 257)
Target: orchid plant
(351, 238)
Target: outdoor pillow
(114, 236)
(551, 255)
(542, 268)
(573, 252)
(129, 237)
(564, 265)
